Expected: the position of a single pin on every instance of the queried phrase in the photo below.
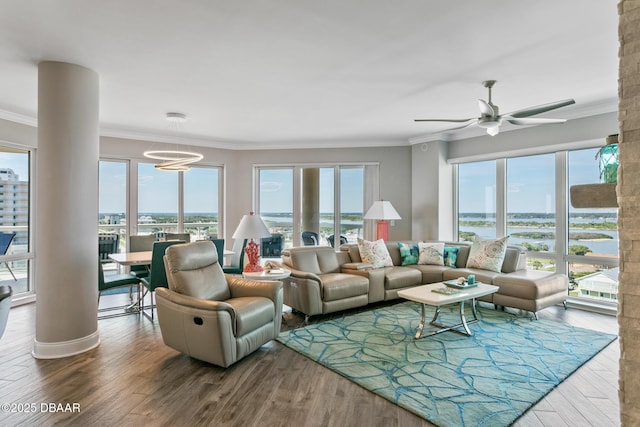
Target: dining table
(140, 258)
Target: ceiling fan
(491, 119)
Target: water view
(591, 232)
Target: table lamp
(383, 211)
(251, 226)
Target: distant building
(601, 285)
(14, 200)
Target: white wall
(431, 192)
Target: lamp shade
(251, 227)
(382, 209)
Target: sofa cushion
(401, 277)
(430, 273)
(316, 260)
(305, 261)
(487, 254)
(531, 284)
(408, 253)
(336, 286)
(375, 253)
(431, 253)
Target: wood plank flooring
(132, 378)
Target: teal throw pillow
(451, 256)
(408, 253)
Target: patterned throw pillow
(431, 253)
(375, 253)
(487, 254)
(451, 256)
(408, 253)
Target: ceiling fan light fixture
(489, 122)
(493, 131)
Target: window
(477, 200)
(201, 202)
(593, 236)
(327, 198)
(537, 215)
(112, 195)
(276, 201)
(15, 200)
(351, 203)
(157, 200)
(166, 202)
(531, 207)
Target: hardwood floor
(132, 378)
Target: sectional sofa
(324, 281)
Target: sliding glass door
(306, 204)
(15, 238)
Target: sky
(276, 188)
(530, 182)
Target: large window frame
(370, 193)
(28, 294)
(560, 256)
(132, 188)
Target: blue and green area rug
(488, 379)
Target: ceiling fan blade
(485, 108)
(443, 120)
(532, 121)
(532, 111)
(468, 123)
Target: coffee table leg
(444, 328)
(421, 325)
(463, 320)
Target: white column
(66, 254)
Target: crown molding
(18, 118)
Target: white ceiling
(303, 73)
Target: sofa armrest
(304, 275)
(356, 266)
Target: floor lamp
(251, 226)
(383, 211)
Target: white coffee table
(425, 296)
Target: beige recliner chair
(211, 316)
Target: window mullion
(501, 197)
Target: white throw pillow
(375, 253)
(431, 253)
(487, 254)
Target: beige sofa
(324, 281)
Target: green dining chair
(236, 265)
(157, 277)
(141, 243)
(113, 281)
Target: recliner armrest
(188, 301)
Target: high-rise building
(14, 204)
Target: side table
(276, 274)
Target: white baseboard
(56, 350)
